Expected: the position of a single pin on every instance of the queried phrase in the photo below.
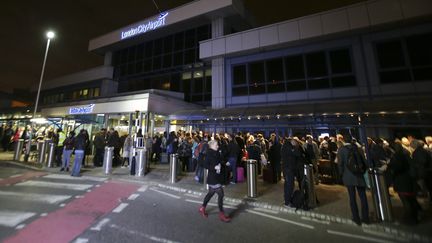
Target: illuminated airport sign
(143, 28)
(81, 109)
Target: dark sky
(23, 25)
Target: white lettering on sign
(81, 110)
(143, 28)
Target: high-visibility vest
(61, 138)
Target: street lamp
(49, 35)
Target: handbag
(263, 159)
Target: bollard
(252, 178)
(139, 142)
(205, 176)
(173, 168)
(380, 195)
(132, 161)
(107, 160)
(18, 149)
(310, 185)
(51, 153)
(41, 152)
(140, 162)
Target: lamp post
(49, 35)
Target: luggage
(240, 174)
(268, 175)
(164, 158)
(132, 166)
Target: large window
(166, 53)
(73, 94)
(405, 60)
(169, 63)
(308, 71)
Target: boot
(224, 218)
(203, 212)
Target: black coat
(293, 159)
(212, 159)
(233, 149)
(80, 142)
(274, 154)
(401, 171)
(254, 152)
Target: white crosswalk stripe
(68, 177)
(14, 218)
(35, 197)
(57, 185)
(14, 215)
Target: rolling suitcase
(268, 175)
(240, 174)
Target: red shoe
(203, 212)
(224, 218)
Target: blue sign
(81, 110)
(143, 28)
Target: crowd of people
(406, 163)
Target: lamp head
(50, 34)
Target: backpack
(355, 163)
(197, 150)
(299, 198)
(185, 150)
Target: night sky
(24, 24)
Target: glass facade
(168, 63)
(405, 60)
(70, 95)
(306, 71)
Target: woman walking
(215, 178)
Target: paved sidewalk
(333, 199)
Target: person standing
(127, 147)
(68, 146)
(214, 180)
(58, 139)
(99, 144)
(274, 155)
(7, 136)
(233, 154)
(355, 183)
(403, 183)
(79, 146)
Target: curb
(27, 165)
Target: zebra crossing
(28, 200)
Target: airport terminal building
(204, 66)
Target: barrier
(173, 168)
(18, 149)
(107, 160)
(251, 178)
(380, 195)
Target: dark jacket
(274, 154)
(233, 149)
(99, 141)
(399, 166)
(254, 152)
(378, 154)
(212, 159)
(292, 158)
(422, 162)
(348, 178)
(69, 143)
(80, 142)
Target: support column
(218, 83)
(218, 68)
